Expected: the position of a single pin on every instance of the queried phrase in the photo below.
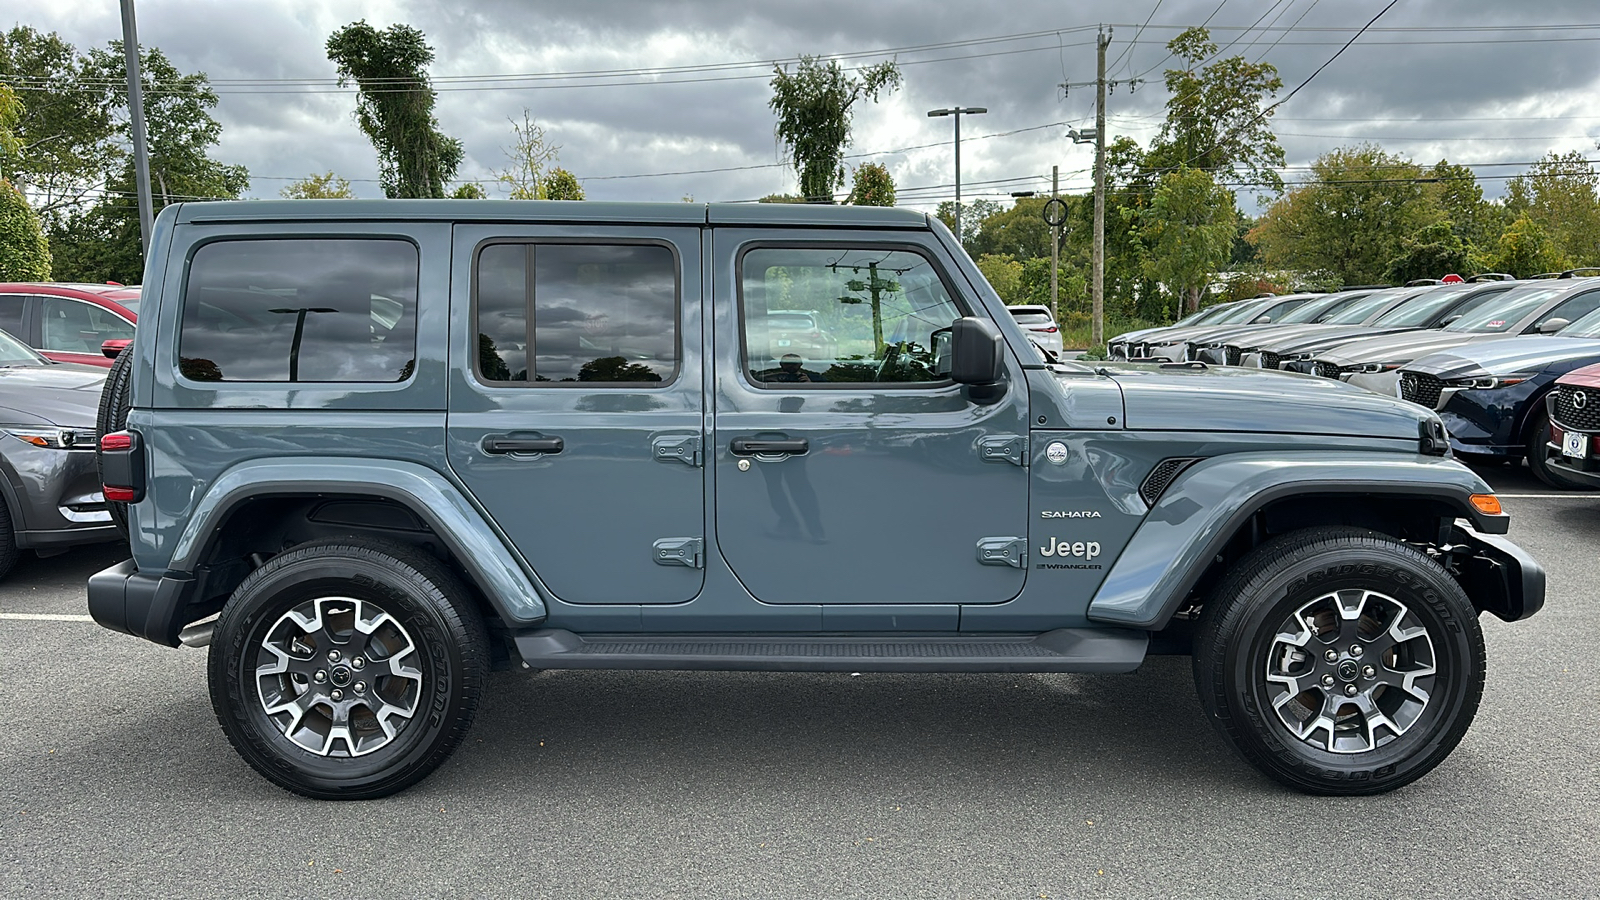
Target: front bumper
(1498, 576)
(54, 496)
(1585, 471)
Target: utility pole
(1055, 245)
(1097, 263)
(141, 147)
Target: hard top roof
(531, 211)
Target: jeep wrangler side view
(369, 450)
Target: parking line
(44, 617)
(1566, 496)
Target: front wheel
(1340, 661)
(346, 670)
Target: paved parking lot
(115, 780)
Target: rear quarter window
(300, 310)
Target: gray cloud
(1472, 102)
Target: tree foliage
(530, 153)
(872, 185)
(1216, 120)
(469, 191)
(815, 106)
(1558, 193)
(1004, 274)
(394, 106)
(24, 252)
(326, 186)
(65, 131)
(1434, 251)
(1524, 249)
(973, 214)
(559, 184)
(1189, 230)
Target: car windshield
(1363, 309)
(1244, 313)
(1418, 309)
(131, 304)
(1031, 317)
(1501, 316)
(1312, 310)
(15, 353)
(1586, 327)
(1210, 313)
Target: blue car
(1491, 394)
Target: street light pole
(141, 152)
(958, 112)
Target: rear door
(575, 415)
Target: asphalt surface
(116, 781)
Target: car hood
(1588, 376)
(1158, 398)
(1529, 353)
(1311, 337)
(60, 395)
(1400, 347)
(1190, 333)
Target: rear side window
(294, 310)
(569, 313)
(74, 326)
(1031, 318)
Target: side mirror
(975, 346)
(941, 352)
(1551, 326)
(113, 347)
(1261, 320)
(1448, 320)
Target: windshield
(1311, 310)
(1419, 311)
(1244, 312)
(1501, 316)
(15, 353)
(1586, 327)
(1363, 309)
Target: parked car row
(1485, 353)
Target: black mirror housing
(975, 348)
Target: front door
(575, 409)
(847, 470)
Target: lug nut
(361, 687)
(1355, 649)
(1368, 671)
(1349, 691)
(1331, 656)
(320, 677)
(339, 695)
(359, 662)
(333, 656)
(1327, 681)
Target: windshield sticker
(1497, 323)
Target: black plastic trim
(1500, 577)
(123, 599)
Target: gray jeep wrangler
(370, 450)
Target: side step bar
(1100, 650)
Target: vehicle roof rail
(1491, 276)
(1571, 273)
(1419, 282)
(1260, 296)
(1365, 287)
(1549, 275)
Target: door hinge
(1011, 448)
(678, 448)
(1003, 551)
(680, 552)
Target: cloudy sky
(657, 100)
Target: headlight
(1375, 368)
(53, 438)
(1486, 382)
(1298, 356)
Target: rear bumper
(123, 599)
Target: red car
(78, 323)
(1573, 449)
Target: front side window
(73, 326)
(295, 310)
(841, 316)
(577, 313)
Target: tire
(1284, 591)
(287, 726)
(113, 416)
(8, 541)
(1538, 456)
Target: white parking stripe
(1567, 496)
(44, 617)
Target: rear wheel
(113, 416)
(348, 670)
(1340, 661)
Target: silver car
(1040, 326)
(50, 496)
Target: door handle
(505, 443)
(764, 446)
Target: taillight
(122, 467)
(117, 440)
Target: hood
(1507, 356)
(1158, 398)
(64, 395)
(1237, 333)
(1399, 347)
(1310, 337)
(1191, 333)
(1588, 376)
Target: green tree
(1189, 230)
(872, 185)
(469, 191)
(973, 214)
(815, 106)
(782, 198)
(1216, 117)
(531, 153)
(65, 130)
(559, 184)
(1434, 251)
(24, 252)
(1350, 219)
(1020, 231)
(394, 106)
(1558, 193)
(10, 114)
(326, 186)
(1460, 198)
(1004, 274)
(1524, 249)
